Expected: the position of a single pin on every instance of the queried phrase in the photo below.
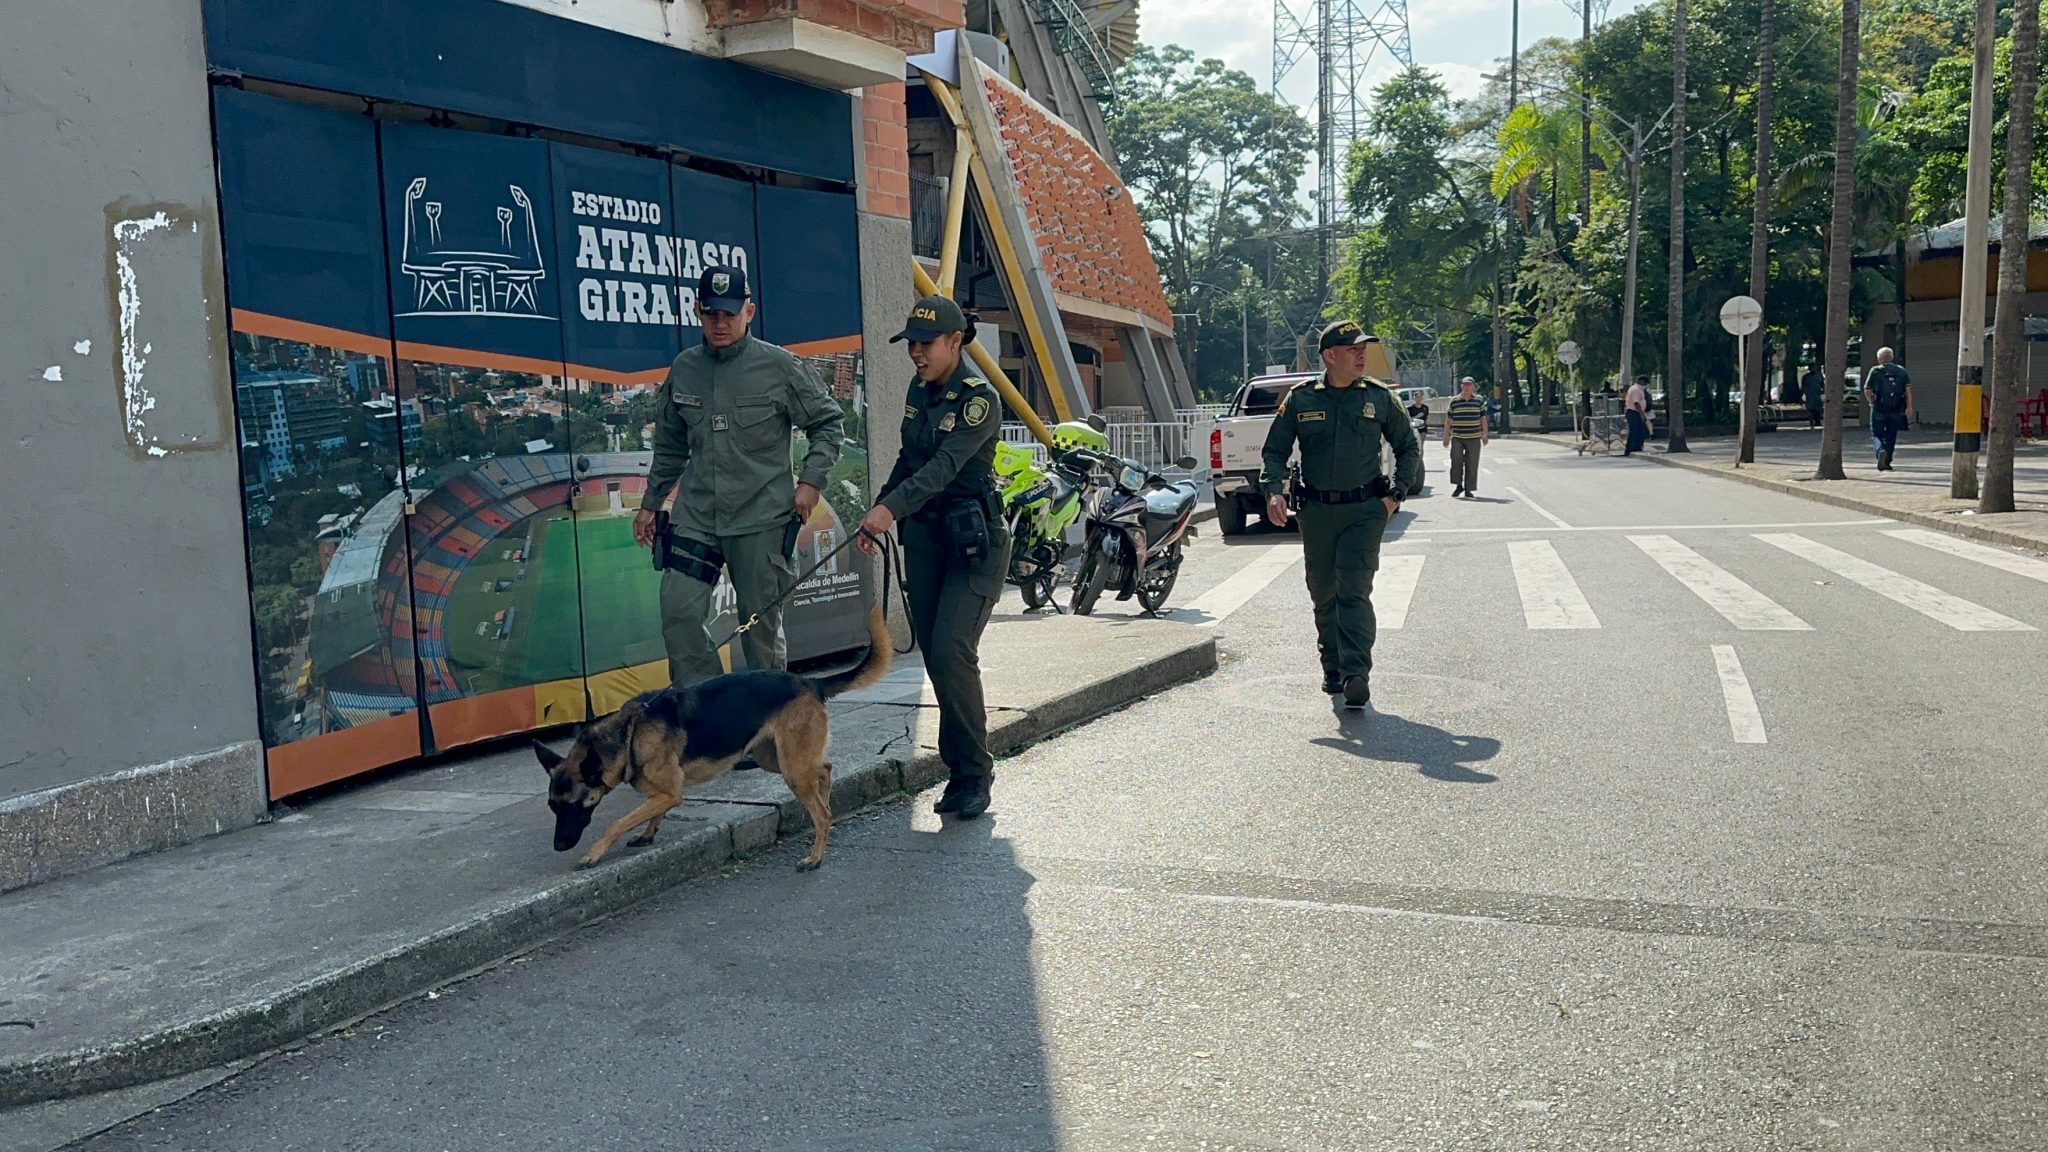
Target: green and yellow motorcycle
(1041, 503)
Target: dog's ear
(549, 758)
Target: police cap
(1342, 333)
(929, 319)
(722, 289)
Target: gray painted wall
(124, 627)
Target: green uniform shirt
(721, 438)
(1340, 430)
(949, 442)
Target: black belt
(1324, 496)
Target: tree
(1836, 343)
(1674, 305)
(2009, 324)
(1760, 230)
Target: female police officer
(955, 546)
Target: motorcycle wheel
(1093, 578)
(1153, 594)
(1037, 588)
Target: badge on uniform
(718, 423)
(721, 283)
(1369, 413)
(952, 395)
(1309, 417)
(910, 411)
(689, 401)
(975, 412)
(946, 423)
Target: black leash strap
(892, 559)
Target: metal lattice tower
(1343, 39)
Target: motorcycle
(1138, 526)
(1038, 505)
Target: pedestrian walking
(1346, 501)
(1637, 407)
(956, 549)
(722, 446)
(1464, 434)
(1814, 387)
(1418, 418)
(1888, 392)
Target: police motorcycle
(1040, 504)
(1139, 523)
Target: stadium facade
(336, 341)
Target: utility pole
(1674, 310)
(1969, 417)
(1585, 116)
(1635, 227)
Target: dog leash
(892, 565)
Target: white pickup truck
(1238, 438)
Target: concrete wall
(124, 628)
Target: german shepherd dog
(662, 741)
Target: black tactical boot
(955, 795)
(1357, 692)
(1332, 684)
(974, 796)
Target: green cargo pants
(759, 572)
(1341, 545)
(949, 607)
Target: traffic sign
(1742, 315)
(1568, 353)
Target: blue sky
(1460, 39)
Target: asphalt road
(1687, 816)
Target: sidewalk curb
(1953, 525)
(521, 923)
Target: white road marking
(1724, 592)
(1743, 718)
(1393, 588)
(1550, 597)
(1502, 460)
(1434, 530)
(1216, 605)
(1925, 599)
(1536, 508)
(1998, 558)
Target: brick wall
(906, 25)
(885, 149)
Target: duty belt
(1324, 496)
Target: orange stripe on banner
(306, 764)
(466, 721)
(825, 347)
(279, 328)
(469, 358)
(623, 379)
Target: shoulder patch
(910, 411)
(976, 411)
(973, 382)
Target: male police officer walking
(955, 547)
(721, 439)
(1346, 501)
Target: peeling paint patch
(136, 401)
(83, 347)
(53, 373)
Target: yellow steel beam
(1012, 266)
(956, 210)
(991, 369)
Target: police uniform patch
(1307, 417)
(910, 411)
(721, 283)
(718, 423)
(946, 423)
(952, 395)
(976, 411)
(689, 401)
(1370, 413)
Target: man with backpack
(1889, 393)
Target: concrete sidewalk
(1915, 491)
(220, 950)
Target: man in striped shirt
(1464, 434)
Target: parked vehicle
(1139, 523)
(1040, 504)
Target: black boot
(974, 796)
(954, 796)
(1357, 692)
(1332, 683)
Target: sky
(1461, 40)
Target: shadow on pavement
(1438, 754)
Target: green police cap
(1344, 332)
(931, 318)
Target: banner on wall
(447, 404)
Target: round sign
(1568, 353)
(1742, 315)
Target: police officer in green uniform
(1345, 500)
(955, 546)
(722, 442)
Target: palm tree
(1836, 350)
(1759, 230)
(2009, 323)
(1674, 309)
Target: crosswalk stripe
(1216, 605)
(1929, 601)
(1743, 717)
(1724, 592)
(1550, 597)
(1394, 587)
(2026, 566)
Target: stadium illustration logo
(472, 263)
